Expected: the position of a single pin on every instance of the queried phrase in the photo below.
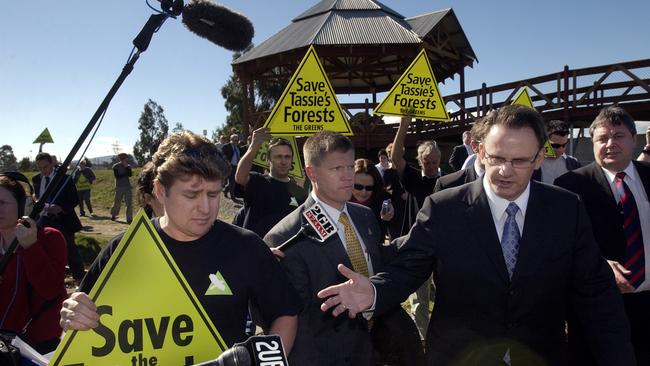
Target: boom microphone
(265, 350)
(218, 24)
(318, 227)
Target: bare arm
(242, 176)
(397, 155)
(285, 326)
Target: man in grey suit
(504, 281)
(311, 266)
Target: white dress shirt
(334, 215)
(633, 181)
(498, 207)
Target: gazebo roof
(364, 45)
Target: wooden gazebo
(364, 47)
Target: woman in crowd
(369, 191)
(32, 285)
(394, 334)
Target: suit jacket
(571, 164)
(67, 221)
(323, 339)
(228, 151)
(456, 179)
(479, 312)
(590, 183)
(458, 156)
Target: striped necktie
(634, 254)
(353, 246)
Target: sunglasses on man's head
(557, 146)
(361, 187)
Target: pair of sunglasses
(360, 187)
(557, 146)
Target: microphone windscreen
(218, 24)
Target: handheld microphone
(318, 227)
(264, 350)
(218, 24)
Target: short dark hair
(186, 153)
(517, 116)
(478, 130)
(44, 156)
(322, 143)
(557, 127)
(278, 141)
(382, 152)
(616, 116)
(122, 156)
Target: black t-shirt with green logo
(267, 201)
(241, 266)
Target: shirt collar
(629, 173)
(333, 213)
(498, 205)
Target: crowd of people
(526, 259)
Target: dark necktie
(634, 254)
(510, 238)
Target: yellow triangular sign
(44, 137)
(549, 152)
(308, 103)
(523, 98)
(148, 312)
(415, 94)
(296, 165)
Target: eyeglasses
(361, 187)
(557, 146)
(516, 163)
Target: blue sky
(58, 59)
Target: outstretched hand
(355, 295)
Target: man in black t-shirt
(270, 197)
(419, 183)
(188, 184)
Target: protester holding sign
(420, 184)
(268, 198)
(188, 183)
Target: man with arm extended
(504, 281)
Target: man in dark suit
(553, 167)
(504, 281)
(461, 152)
(232, 152)
(61, 214)
(622, 230)
(311, 266)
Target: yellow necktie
(353, 246)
